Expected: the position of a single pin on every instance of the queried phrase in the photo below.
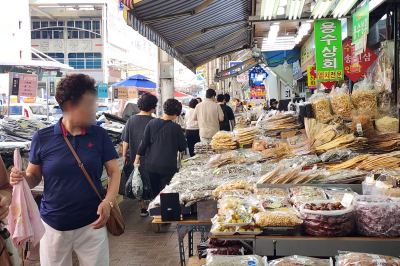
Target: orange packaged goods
(362, 123)
(341, 104)
(366, 259)
(259, 143)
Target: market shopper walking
(229, 117)
(192, 127)
(162, 139)
(131, 137)
(208, 114)
(73, 215)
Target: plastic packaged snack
(320, 107)
(364, 96)
(341, 104)
(229, 202)
(387, 121)
(250, 229)
(284, 217)
(334, 155)
(327, 218)
(222, 159)
(297, 260)
(275, 203)
(387, 184)
(245, 136)
(223, 140)
(362, 123)
(302, 194)
(377, 215)
(234, 250)
(337, 193)
(383, 81)
(234, 185)
(237, 217)
(275, 192)
(259, 143)
(222, 229)
(218, 219)
(365, 259)
(221, 260)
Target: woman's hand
(137, 160)
(4, 208)
(16, 176)
(104, 212)
(125, 160)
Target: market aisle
(139, 245)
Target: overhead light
(346, 8)
(306, 26)
(269, 9)
(283, 3)
(328, 7)
(300, 9)
(281, 10)
(317, 8)
(274, 28)
(309, 21)
(290, 7)
(312, 6)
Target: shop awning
(193, 32)
(275, 58)
(177, 94)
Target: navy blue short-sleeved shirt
(69, 202)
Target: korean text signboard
(102, 90)
(242, 78)
(361, 28)
(258, 92)
(132, 92)
(328, 49)
(24, 85)
(297, 71)
(257, 76)
(233, 63)
(308, 53)
(364, 61)
(312, 81)
(121, 93)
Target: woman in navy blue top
(72, 213)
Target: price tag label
(359, 129)
(347, 200)
(24, 124)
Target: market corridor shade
(204, 46)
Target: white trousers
(90, 245)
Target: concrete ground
(138, 245)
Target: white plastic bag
(134, 184)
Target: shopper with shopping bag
(70, 156)
(131, 137)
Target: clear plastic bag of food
(387, 121)
(226, 260)
(274, 192)
(320, 107)
(222, 229)
(334, 155)
(347, 258)
(229, 202)
(239, 193)
(259, 143)
(224, 140)
(387, 184)
(327, 218)
(237, 216)
(362, 123)
(285, 217)
(275, 203)
(341, 104)
(364, 96)
(222, 159)
(383, 81)
(377, 216)
(337, 193)
(369, 183)
(218, 219)
(234, 185)
(233, 250)
(297, 260)
(303, 194)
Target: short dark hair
(227, 97)
(73, 87)
(193, 103)
(237, 100)
(210, 93)
(199, 99)
(220, 98)
(172, 107)
(147, 102)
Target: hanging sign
(258, 92)
(297, 70)
(327, 84)
(242, 78)
(365, 60)
(233, 63)
(102, 90)
(312, 81)
(122, 93)
(132, 92)
(257, 76)
(355, 63)
(328, 49)
(361, 28)
(24, 85)
(51, 87)
(308, 53)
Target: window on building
(70, 24)
(35, 34)
(35, 25)
(87, 26)
(78, 24)
(96, 29)
(85, 60)
(53, 23)
(58, 56)
(44, 24)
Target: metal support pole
(396, 51)
(166, 79)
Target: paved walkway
(138, 245)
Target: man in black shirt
(229, 117)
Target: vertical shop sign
(312, 81)
(258, 92)
(257, 76)
(355, 63)
(365, 60)
(115, 92)
(15, 84)
(297, 70)
(328, 48)
(27, 85)
(361, 28)
(308, 53)
(51, 86)
(102, 90)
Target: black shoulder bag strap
(166, 123)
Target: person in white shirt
(192, 127)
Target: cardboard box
(289, 134)
(206, 210)
(194, 261)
